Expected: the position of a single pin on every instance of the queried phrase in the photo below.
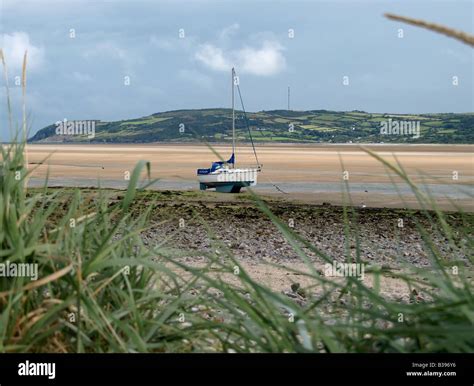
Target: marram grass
(101, 289)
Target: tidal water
(453, 191)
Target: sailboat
(223, 175)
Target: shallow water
(453, 191)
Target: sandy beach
(293, 163)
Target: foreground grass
(101, 289)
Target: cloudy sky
(119, 59)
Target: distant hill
(214, 125)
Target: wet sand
(311, 173)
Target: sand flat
(281, 163)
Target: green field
(317, 126)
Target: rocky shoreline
(390, 237)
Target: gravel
(251, 236)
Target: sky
(123, 59)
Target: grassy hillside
(214, 125)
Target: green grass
(148, 120)
(318, 128)
(101, 289)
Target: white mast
(233, 117)
(288, 98)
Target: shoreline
(203, 224)
(455, 147)
(221, 225)
(314, 174)
(361, 195)
(301, 200)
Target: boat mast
(233, 117)
(288, 98)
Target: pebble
(250, 235)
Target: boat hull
(228, 180)
(233, 187)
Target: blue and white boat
(223, 175)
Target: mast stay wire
(251, 140)
(248, 126)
